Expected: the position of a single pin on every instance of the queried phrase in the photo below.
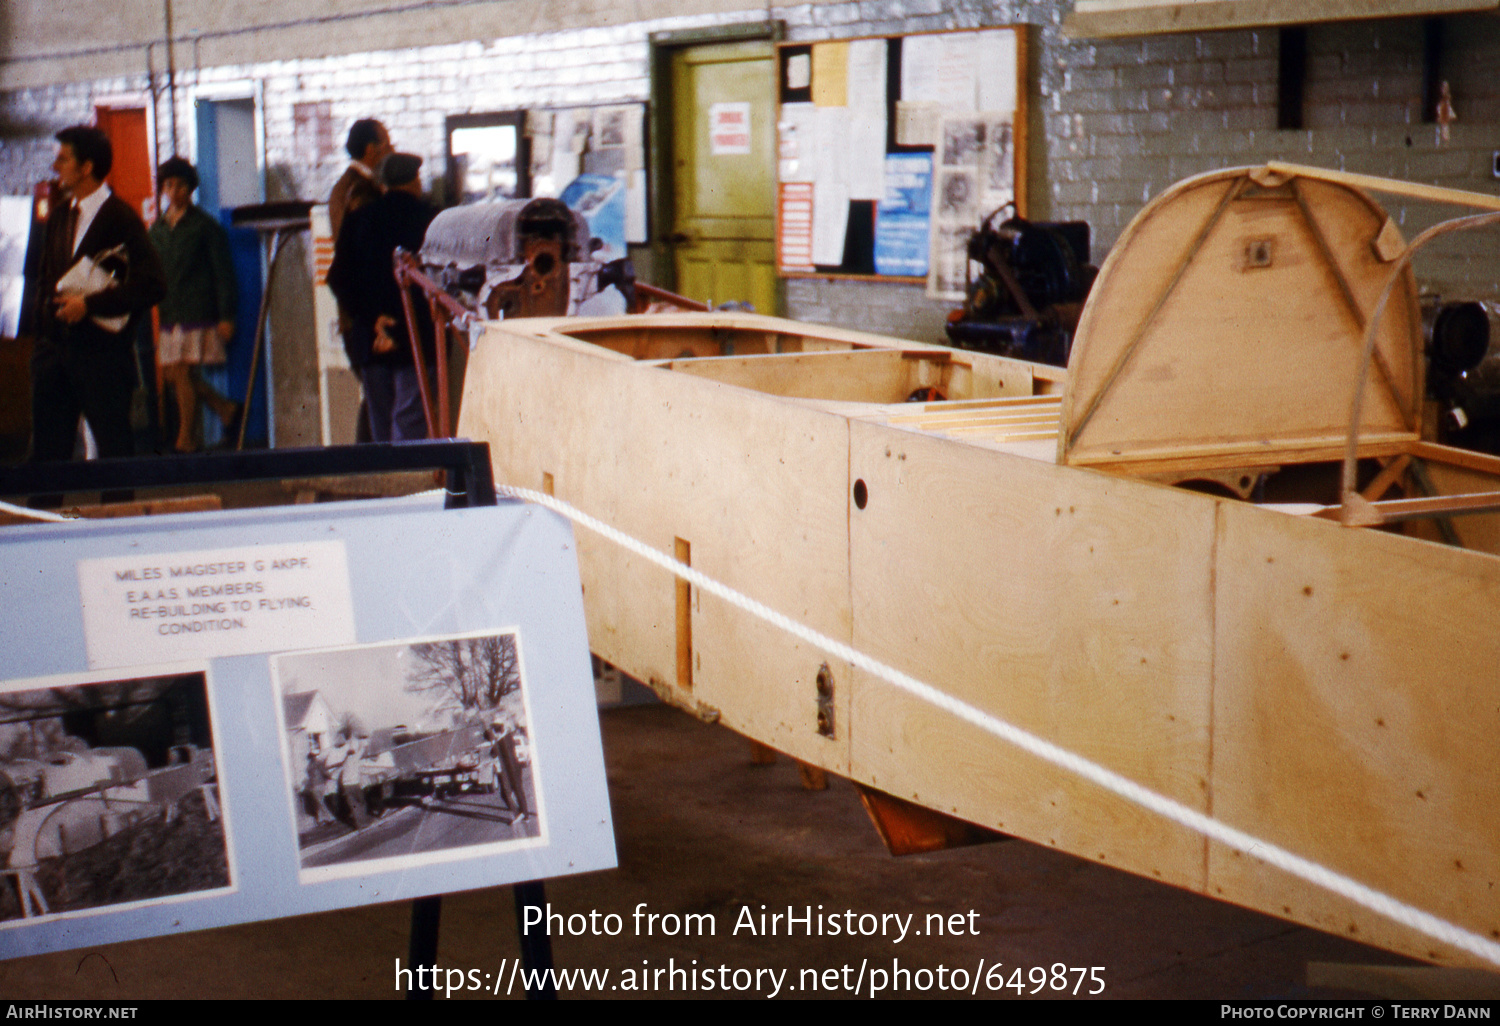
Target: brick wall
(1123, 119)
(1114, 122)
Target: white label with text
(219, 602)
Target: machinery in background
(1463, 379)
(502, 260)
(1029, 295)
(512, 258)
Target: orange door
(131, 177)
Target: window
(489, 157)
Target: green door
(723, 145)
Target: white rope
(33, 514)
(1312, 872)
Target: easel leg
(425, 913)
(536, 947)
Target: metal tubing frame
(446, 312)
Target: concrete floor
(700, 829)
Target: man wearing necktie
(84, 362)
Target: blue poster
(903, 220)
(601, 201)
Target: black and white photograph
(413, 751)
(957, 193)
(108, 796)
(963, 139)
(950, 267)
(611, 126)
(1000, 157)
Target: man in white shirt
(84, 360)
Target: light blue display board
(180, 698)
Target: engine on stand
(513, 258)
(499, 260)
(1030, 292)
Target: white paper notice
(867, 73)
(635, 207)
(139, 610)
(997, 71)
(729, 128)
(830, 221)
(831, 144)
(831, 190)
(940, 69)
(799, 71)
(918, 124)
(797, 148)
(867, 125)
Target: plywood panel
(1357, 700)
(1072, 604)
(666, 456)
(504, 404)
(860, 375)
(1231, 316)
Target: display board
(892, 150)
(215, 718)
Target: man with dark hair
(89, 144)
(197, 316)
(362, 279)
(368, 144)
(98, 274)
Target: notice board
(213, 718)
(893, 149)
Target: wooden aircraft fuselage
(1332, 690)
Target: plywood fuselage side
(1324, 688)
(757, 487)
(1356, 702)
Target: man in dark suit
(364, 283)
(368, 144)
(84, 360)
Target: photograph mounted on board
(407, 753)
(108, 796)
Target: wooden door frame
(238, 90)
(665, 46)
